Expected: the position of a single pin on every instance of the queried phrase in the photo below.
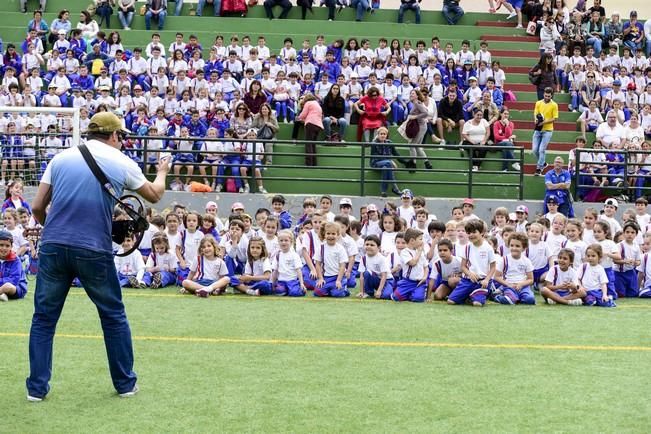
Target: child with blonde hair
(208, 271)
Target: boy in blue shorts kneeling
(477, 266)
(412, 286)
(13, 283)
(375, 278)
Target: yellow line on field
(381, 344)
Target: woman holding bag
(414, 129)
(267, 125)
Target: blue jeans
(125, 19)
(327, 122)
(58, 266)
(160, 17)
(409, 6)
(387, 168)
(596, 44)
(648, 46)
(507, 154)
(452, 14)
(179, 6)
(632, 45)
(361, 6)
(540, 141)
(217, 4)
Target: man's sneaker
(516, 166)
(157, 281)
(130, 393)
(31, 398)
(475, 168)
(575, 302)
(262, 190)
(3, 297)
(133, 282)
(512, 15)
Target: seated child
(256, 279)
(130, 268)
(445, 273)
(160, 269)
(287, 277)
(516, 273)
(13, 283)
(375, 278)
(561, 283)
(208, 271)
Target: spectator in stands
(543, 74)
(285, 5)
(360, 6)
(594, 33)
(255, 97)
(647, 35)
(614, 30)
(312, 117)
(156, 9)
(104, 9)
(88, 26)
(545, 114)
(406, 5)
(503, 136)
(450, 114)
(557, 184)
(418, 113)
(334, 109)
(432, 115)
(266, 123)
(452, 12)
(373, 110)
(633, 32)
(217, 5)
(489, 110)
(475, 132)
(37, 23)
(126, 9)
(62, 22)
(23, 5)
(382, 153)
(575, 33)
(241, 120)
(611, 132)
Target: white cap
(211, 204)
(612, 201)
(345, 201)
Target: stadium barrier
(355, 164)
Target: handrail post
(145, 160)
(253, 185)
(521, 192)
(577, 167)
(362, 175)
(470, 173)
(625, 175)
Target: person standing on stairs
(545, 114)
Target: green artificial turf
(243, 364)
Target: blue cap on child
(6, 235)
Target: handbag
(531, 27)
(265, 133)
(412, 129)
(143, 10)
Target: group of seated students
(400, 252)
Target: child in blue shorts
(287, 277)
(412, 286)
(375, 278)
(331, 259)
(445, 273)
(160, 269)
(561, 283)
(256, 278)
(516, 275)
(208, 272)
(13, 283)
(477, 265)
(626, 279)
(593, 279)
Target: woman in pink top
(312, 117)
(503, 132)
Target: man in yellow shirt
(544, 115)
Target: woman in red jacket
(503, 132)
(373, 110)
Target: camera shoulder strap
(99, 175)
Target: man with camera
(544, 115)
(76, 242)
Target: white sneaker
(218, 188)
(131, 393)
(512, 15)
(31, 398)
(247, 189)
(241, 190)
(475, 169)
(516, 166)
(442, 143)
(550, 301)
(3, 297)
(519, 26)
(575, 302)
(262, 190)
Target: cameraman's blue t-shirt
(81, 211)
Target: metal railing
(362, 173)
(610, 170)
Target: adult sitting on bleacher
(360, 7)
(373, 110)
(255, 97)
(451, 11)
(633, 32)
(104, 9)
(38, 23)
(157, 10)
(126, 10)
(610, 132)
(406, 5)
(285, 5)
(23, 5)
(61, 22)
(450, 114)
(217, 4)
(334, 109)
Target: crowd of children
(400, 253)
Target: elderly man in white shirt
(610, 132)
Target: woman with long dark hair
(542, 75)
(255, 97)
(334, 108)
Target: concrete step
(508, 53)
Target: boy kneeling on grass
(13, 283)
